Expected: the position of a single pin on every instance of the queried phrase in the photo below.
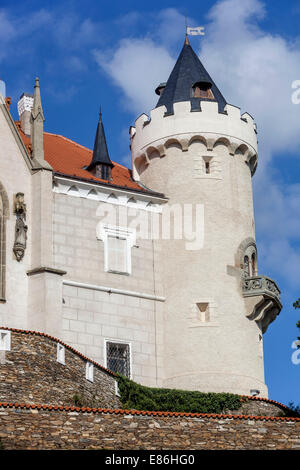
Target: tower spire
(101, 163)
(190, 81)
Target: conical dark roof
(188, 70)
(100, 152)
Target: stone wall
(33, 427)
(30, 373)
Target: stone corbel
(21, 227)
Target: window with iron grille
(118, 358)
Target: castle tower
(202, 153)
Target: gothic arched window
(250, 261)
(246, 266)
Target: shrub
(139, 397)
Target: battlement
(209, 125)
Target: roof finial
(187, 42)
(100, 114)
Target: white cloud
(137, 67)
(255, 70)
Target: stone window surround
(105, 230)
(118, 341)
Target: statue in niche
(21, 227)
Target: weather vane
(196, 31)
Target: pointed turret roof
(188, 71)
(37, 102)
(100, 152)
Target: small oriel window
(118, 358)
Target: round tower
(202, 153)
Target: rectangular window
(89, 372)
(4, 340)
(118, 242)
(117, 254)
(118, 358)
(60, 353)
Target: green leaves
(138, 397)
(296, 304)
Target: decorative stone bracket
(21, 227)
(262, 297)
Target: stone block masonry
(30, 373)
(52, 427)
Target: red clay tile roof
(68, 158)
(144, 413)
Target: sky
(114, 54)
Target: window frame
(118, 341)
(128, 234)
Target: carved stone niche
(21, 227)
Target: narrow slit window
(207, 168)
(60, 353)
(4, 340)
(89, 372)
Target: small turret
(101, 163)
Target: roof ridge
(143, 413)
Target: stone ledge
(45, 269)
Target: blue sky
(115, 53)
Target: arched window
(250, 261)
(246, 266)
(253, 264)
(3, 217)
